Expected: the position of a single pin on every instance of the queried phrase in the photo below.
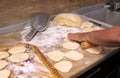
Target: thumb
(80, 37)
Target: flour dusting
(51, 36)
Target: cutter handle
(86, 45)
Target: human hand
(106, 37)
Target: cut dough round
(68, 19)
(4, 73)
(55, 55)
(95, 50)
(19, 57)
(3, 64)
(71, 45)
(63, 66)
(3, 54)
(87, 24)
(17, 49)
(74, 55)
(66, 40)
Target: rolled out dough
(17, 49)
(4, 73)
(71, 45)
(95, 50)
(63, 66)
(19, 57)
(3, 64)
(74, 55)
(3, 54)
(55, 55)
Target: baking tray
(13, 32)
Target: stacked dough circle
(17, 49)
(74, 55)
(68, 19)
(71, 45)
(3, 54)
(63, 66)
(4, 73)
(55, 55)
(20, 57)
(3, 64)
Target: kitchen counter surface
(11, 35)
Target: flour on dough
(63, 66)
(74, 55)
(71, 45)
(17, 49)
(55, 55)
(95, 50)
(4, 73)
(3, 64)
(19, 57)
(3, 54)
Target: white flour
(50, 37)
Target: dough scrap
(3, 54)
(95, 50)
(74, 55)
(3, 64)
(68, 19)
(55, 55)
(4, 73)
(66, 40)
(63, 66)
(87, 24)
(19, 57)
(71, 45)
(17, 49)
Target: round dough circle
(55, 55)
(87, 24)
(63, 66)
(71, 45)
(3, 64)
(3, 54)
(20, 57)
(74, 55)
(18, 49)
(68, 19)
(4, 73)
(95, 50)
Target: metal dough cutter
(39, 24)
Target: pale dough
(66, 40)
(74, 55)
(68, 19)
(95, 50)
(63, 66)
(19, 57)
(71, 45)
(17, 49)
(3, 54)
(87, 24)
(4, 73)
(55, 55)
(3, 64)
